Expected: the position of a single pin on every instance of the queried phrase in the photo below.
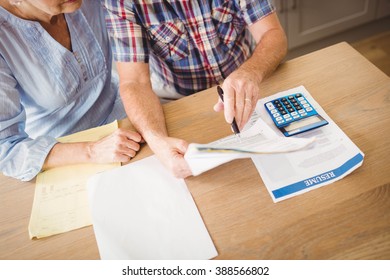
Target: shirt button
(229, 17)
(168, 38)
(201, 28)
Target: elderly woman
(55, 79)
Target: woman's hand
(120, 146)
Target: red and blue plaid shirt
(192, 45)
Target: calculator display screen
(302, 123)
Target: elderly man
(170, 49)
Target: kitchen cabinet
(383, 9)
(308, 20)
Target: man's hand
(242, 87)
(241, 92)
(170, 151)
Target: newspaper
(258, 138)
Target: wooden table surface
(348, 219)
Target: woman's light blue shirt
(47, 91)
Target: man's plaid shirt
(192, 45)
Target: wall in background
(314, 24)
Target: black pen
(233, 124)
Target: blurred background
(314, 24)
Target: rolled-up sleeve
(128, 39)
(20, 156)
(254, 10)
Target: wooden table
(349, 219)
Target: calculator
(293, 114)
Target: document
(256, 138)
(60, 199)
(141, 212)
(332, 157)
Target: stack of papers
(60, 199)
(332, 157)
(288, 165)
(259, 138)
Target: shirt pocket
(227, 24)
(169, 40)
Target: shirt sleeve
(20, 156)
(254, 10)
(128, 39)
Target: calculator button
(288, 106)
(303, 114)
(309, 109)
(303, 102)
(296, 117)
(286, 103)
(279, 105)
(283, 112)
(276, 115)
(279, 122)
(291, 97)
(273, 111)
(283, 99)
(276, 102)
(301, 98)
(281, 109)
(298, 108)
(301, 111)
(298, 95)
(288, 119)
(270, 105)
(278, 118)
(290, 110)
(294, 114)
(286, 116)
(306, 105)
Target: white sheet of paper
(140, 211)
(333, 157)
(258, 138)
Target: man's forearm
(271, 47)
(144, 110)
(242, 87)
(267, 55)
